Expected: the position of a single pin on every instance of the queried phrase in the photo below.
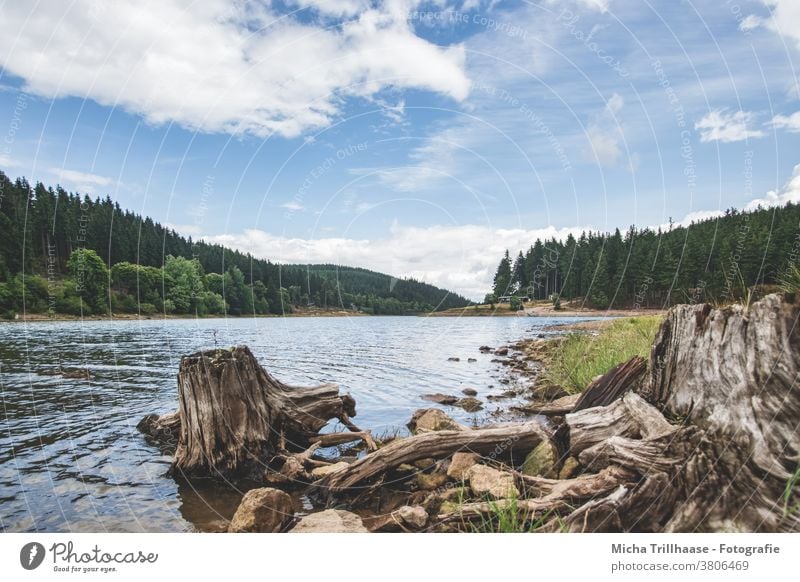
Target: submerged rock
(439, 398)
(470, 404)
(330, 521)
(453, 359)
(485, 481)
(264, 510)
(469, 392)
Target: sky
(415, 138)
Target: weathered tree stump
(720, 437)
(234, 416)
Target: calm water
(71, 458)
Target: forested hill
(49, 235)
(718, 259)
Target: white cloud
(750, 22)
(220, 66)
(789, 193)
(785, 18)
(8, 162)
(604, 133)
(460, 258)
(293, 206)
(83, 182)
(719, 125)
(790, 123)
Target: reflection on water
(71, 458)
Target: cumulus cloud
(460, 258)
(80, 181)
(790, 123)
(784, 19)
(220, 66)
(727, 127)
(789, 193)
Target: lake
(71, 458)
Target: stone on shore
(330, 521)
(485, 481)
(460, 464)
(264, 510)
(432, 419)
(541, 461)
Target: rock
(470, 404)
(319, 472)
(432, 419)
(541, 461)
(453, 359)
(470, 360)
(424, 464)
(408, 516)
(330, 521)
(540, 336)
(413, 516)
(484, 349)
(501, 352)
(428, 482)
(569, 468)
(485, 481)
(440, 398)
(263, 510)
(460, 464)
(469, 392)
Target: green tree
(91, 278)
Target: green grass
(580, 357)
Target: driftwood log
(509, 440)
(233, 415)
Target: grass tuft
(574, 362)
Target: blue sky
(415, 138)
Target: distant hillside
(41, 227)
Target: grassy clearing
(580, 357)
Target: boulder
(440, 398)
(485, 481)
(432, 419)
(541, 461)
(460, 464)
(320, 472)
(264, 510)
(330, 521)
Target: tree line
(66, 253)
(718, 259)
